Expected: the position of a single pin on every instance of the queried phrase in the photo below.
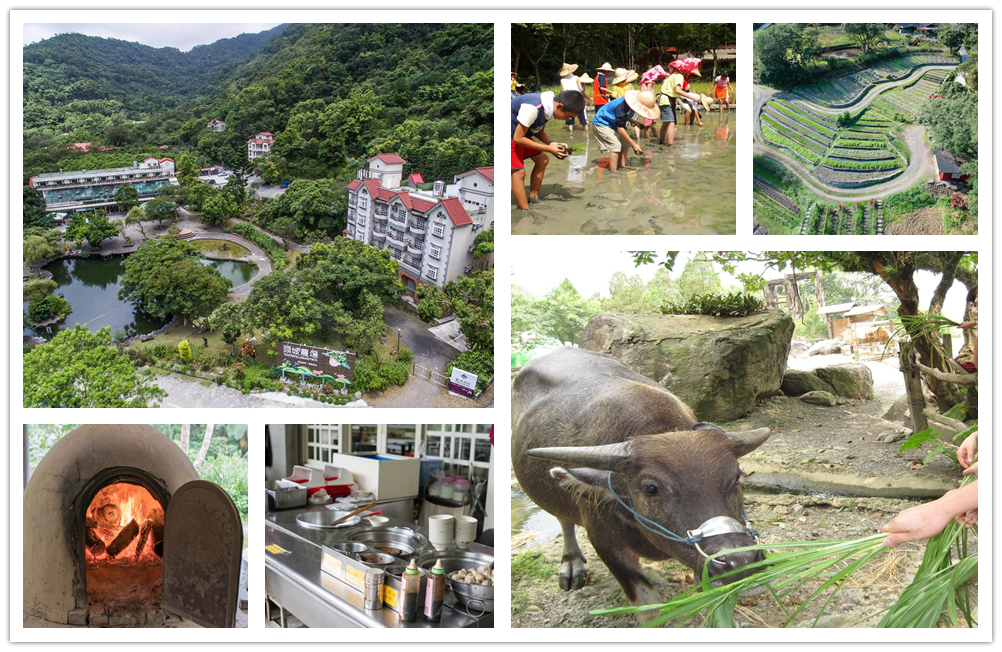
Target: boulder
(797, 382)
(825, 347)
(819, 398)
(852, 380)
(719, 366)
(848, 380)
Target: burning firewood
(109, 514)
(153, 527)
(123, 539)
(94, 542)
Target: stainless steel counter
(294, 581)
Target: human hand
(972, 470)
(559, 150)
(969, 518)
(638, 150)
(968, 325)
(914, 523)
(965, 454)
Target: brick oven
(120, 530)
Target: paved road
(429, 351)
(186, 392)
(920, 168)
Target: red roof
(416, 177)
(31, 182)
(487, 172)
(372, 186)
(260, 141)
(422, 205)
(166, 159)
(455, 209)
(265, 133)
(83, 146)
(151, 158)
(354, 185)
(388, 158)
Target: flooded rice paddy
(688, 189)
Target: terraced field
(844, 90)
(856, 155)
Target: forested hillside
(71, 76)
(331, 94)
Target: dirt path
(925, 221)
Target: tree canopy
(80, 369)
(165, 277)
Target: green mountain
(72, 74)
(332, 94)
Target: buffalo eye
(651, 489)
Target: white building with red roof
(429, 233)
(259, 145)
(216, 125)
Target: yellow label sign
(275, 550)
(390, 596)
(355, 577)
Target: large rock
(797, 382)
(720, 366)
(825, 347)
(852, 380)
(848, 380)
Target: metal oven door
(203, 540)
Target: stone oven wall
(53, 588)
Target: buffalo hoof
(573, 573)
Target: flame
(113, 508)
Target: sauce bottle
(434, 593)
(412, 587)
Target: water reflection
(688, 189)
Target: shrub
(48, 307)
(429, 304)
(267, 243)
(373, 376)
(184, 350)
(481, 364)
(160, 351)
(735, 304)
(406, 355)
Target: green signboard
(314, 362)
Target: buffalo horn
(748, 441)
(605, 458)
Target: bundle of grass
(939, 594)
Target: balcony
(398, 254)
(416, 248)
(379, 228)
(398, 219)
(418, 227)
(396, 237)
(379, 236)
(350, 231)
(413, 263)
(380, 219)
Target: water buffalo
(590, 438)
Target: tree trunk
(185, 437)
(929, 349)
(913, 390)
(205, 447)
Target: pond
(528, 519)
(688, 189)
(221, 248)
(91, 286)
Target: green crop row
(777, 139)
(804, 120)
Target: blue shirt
(614, 114)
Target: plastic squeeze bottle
(412, 587)
(434, 593)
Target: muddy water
(528, 518)
(688, 189)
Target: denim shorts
(668, 111)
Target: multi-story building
(216, 125)
(259, 145)
(90, 189)
(429, 233)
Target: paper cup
(466, 530)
